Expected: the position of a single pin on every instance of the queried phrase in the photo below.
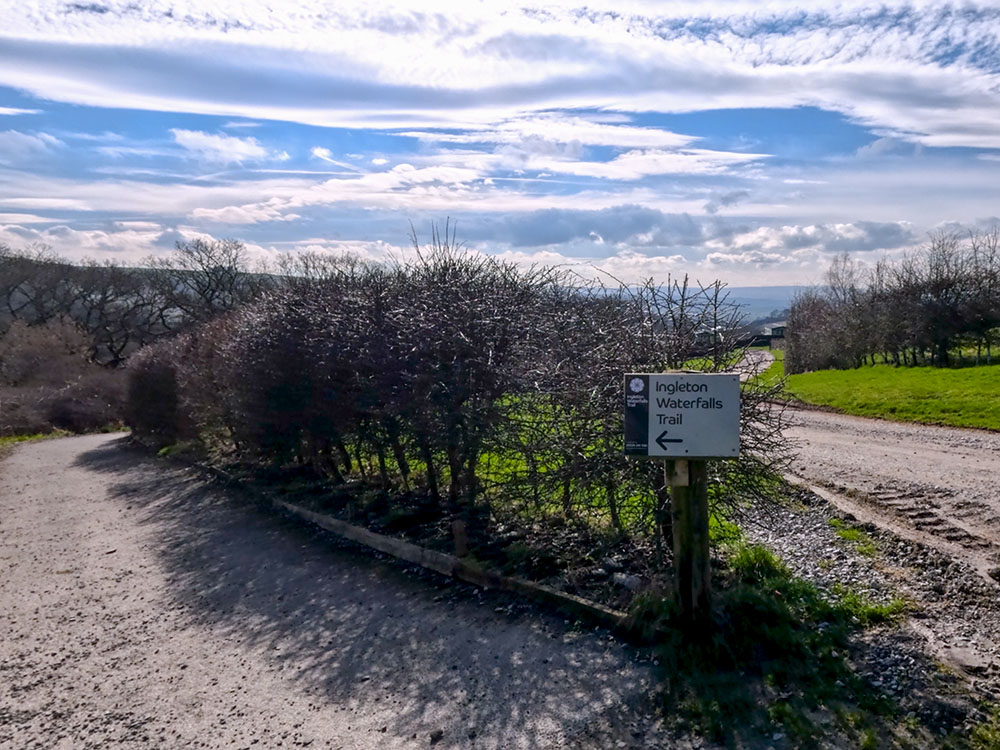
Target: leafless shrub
(92, 402)
(47, 382)
(21, 411)
(152, 402)
(495, 390)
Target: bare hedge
(489, 387)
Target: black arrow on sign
(662, 440)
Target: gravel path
(141, 608)
(754, 362)
(897, 661)
(928, 496)
(934, 485)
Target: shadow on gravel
(360, 633)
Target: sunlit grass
(965, 397)
(776, 653)
(776, 370)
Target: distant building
(708, 337)
(775, 333)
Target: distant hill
(761, 301)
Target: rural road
(142, 608)
(936, 485)
(754, 362)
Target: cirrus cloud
(735, 137)
(224, 149)
(17, 146)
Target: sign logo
(636, 384)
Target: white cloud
(131, 242)
(725, 200)
(16, 146)
(914, 71)
(106, 137)
(40, 203)
(118, 244)
(596, 130)
(248, 214)
(756, 258)
(224, 149)
(426, 189)
(128, 197)
(145, 152)
(150, 226)
(635, 165)
(884, 147)
(548, 158)
(321, 152)
(770, 241)
(7, 218)
(18, 111)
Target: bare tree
(983, 313)
(920, 309)
(203, 278)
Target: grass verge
(863, 543)
(774, 371)
(776, 659)
(7, 442)
(986, 734)
(964, 397)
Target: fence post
(689, 511)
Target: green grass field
(965, 397)
(776, 370)
(960, 397)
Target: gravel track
(754, 362)
(142, 608)
(935, 485)
(903, 663)
(930, 496)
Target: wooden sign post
(685, 418)
(689, 521)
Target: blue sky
(744, 141)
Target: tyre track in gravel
(935, 485)
(142, 608)
(934, 490)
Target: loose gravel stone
(955, 617)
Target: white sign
(682, 415)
